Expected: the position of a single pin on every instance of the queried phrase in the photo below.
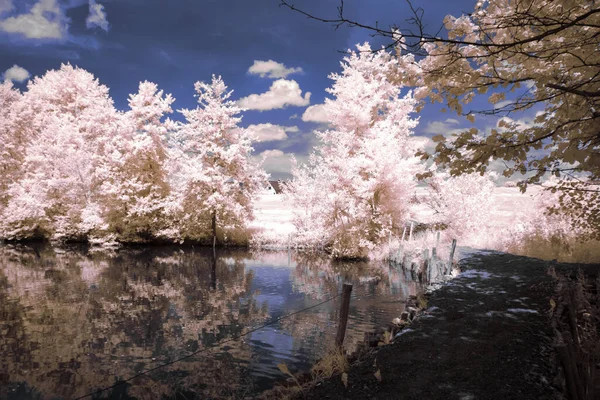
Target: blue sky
(257, 47)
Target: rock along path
(484, 335)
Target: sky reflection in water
(72, 321)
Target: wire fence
(205, 349)
(234, 338)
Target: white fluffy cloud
(96, 17)
(315, 113)
(45, 20)
(272, 69)
(6, 6)
(276, 162)
(442, 127)
(422, 143)
(281, 93)
(269, 132)
(16, 73)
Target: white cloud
(272, 69)
(523, 123)
(272, 153)
(502, 104)
(276, 162)
(281, 93)
(422, 143)
(166, 56)
(6, 6)
(16, 73)
(279, 164)
(96, 17)
(442, 127)
(45, 20)
(294, 116)
(315, 113)
(269, 132)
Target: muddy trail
(484, 335)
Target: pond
(74, 321)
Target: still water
(74, 321)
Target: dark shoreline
(484, 335)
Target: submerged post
(344, 309)
(451, 256)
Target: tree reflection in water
(72, 321)
(378, 292)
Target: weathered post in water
(451, 256)
(432, 262)
(424, 274)
(344, 310)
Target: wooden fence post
(344, 309)
(399, 255)
(403, 233)
(451, 256)
(432, 262)
(412, 223)
(425, 264)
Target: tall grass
(563, 248)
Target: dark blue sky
(178, 42)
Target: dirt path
(484, 335)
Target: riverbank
(484, 335)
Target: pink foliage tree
(220, 180)
(13, 141)
(463, 204)
(75, 168)
(135, 183)
(66, 118)
(356, 186)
